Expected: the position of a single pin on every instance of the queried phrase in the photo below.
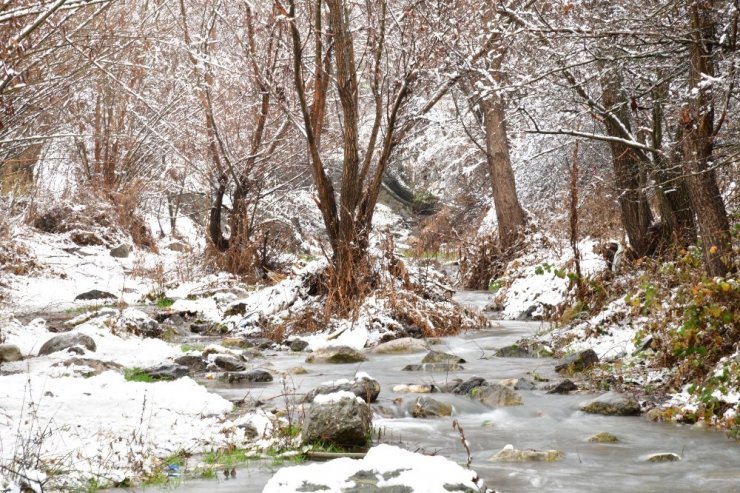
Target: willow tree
(382, 74)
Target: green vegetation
(137, 375)
(164, 302)
(192, 347)
(495, 285)
(227, 457)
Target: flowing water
(710, 461)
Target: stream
(710, 461)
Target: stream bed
(710, 461)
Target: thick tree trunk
(635, 210)
(699, 135)
(509, 212)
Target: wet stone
(612, 404)
(578, 362)
(251, 376)
(426, 407)
(66, 341)
(336, 355)
(228, 363)
(603, 437)
(433, 367)
(564, 387)
(298, 345)
(663, 457)
(440, 357)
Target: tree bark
(698, 145)
(635, 210)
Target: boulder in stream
(363, 386)
(67, 341)
(440, 357)
(249, 376)
(336, 354)
(167, 371)
(406, 471)
(663, 457)
(426, 407)
(341, 419)
(400, 346)
(524, 350)
(564, 387)
(510, 454)
(194, 362)
(298, 345)
(433, 367)
(579, 361)
(496, 395)
(228, 363)
(612, 404)
(603, 437)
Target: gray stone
(95, 294)
(10, 353)
(663, 457)
(440, 357)
(298, 345)
(564, 387)
(66, 341)
(121, 251)
(96, 366)
(468, 385)
(228, 363)
(400, 346)
(426, 407)
(365, 387)
(345, 423)
(194, 362)
(645, 344)
(612, 404)
(433, 367)
(259, 343)
(449, 385)
(336, 355)
(510, 454)
(524, 350)
(250, 376)
(496, 395)
(167, 372)
(579, 361)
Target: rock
(510, 454)
(402, 345)
(134, 321)
(95, 294)
(578, 362)
(564, 387)
(96, 366)
(645, 344)
(449, 385)
(426, 407)
(251, 376)
(612, 404)
(259, 343)
(167, 372)
(341, 419)
(663, 457)
(66, 341)
(524, 350)
(121, 251)
(200, 328)
(336, 354)
(363, 386)
(10, 353)
(468, 385)
(385, 469)
(518, 384)
(424, 388)
(440, 357)
(298, 345)
(603, 437)
(431, 367)
(194, 362)
(297, 370)
(217, 349)
(228, 363)
(495, 395)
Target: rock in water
(426, 407)
(95, 294)
(612, 404)
(495, 395)
(341, 419)
(363, 386)
(402, 345)
(578, 362)
(524, 350)
(10, 353)
(439, 357)
(298, 345)
(432, 367)
(336, 354)
(66, 341)
(603, 437)
(167, 372)
(510, 454)
(192, 361)
(252, 376)
(663, 457)
(228, 363)
(406, 471)
(564, 387)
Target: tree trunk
(635, 210)
(698, 120)
(509, 212)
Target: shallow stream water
(710, 462)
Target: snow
(336, 397)
(421, 473)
